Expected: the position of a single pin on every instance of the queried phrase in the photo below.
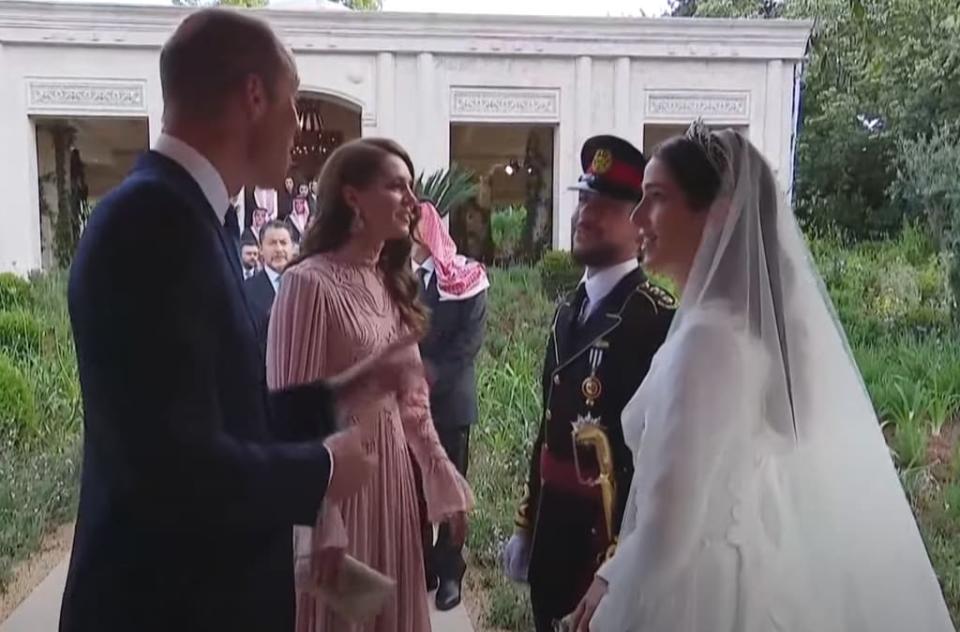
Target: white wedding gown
(764, 498)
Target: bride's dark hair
(697, 162)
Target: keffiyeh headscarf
(457, 277)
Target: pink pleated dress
(330, 313)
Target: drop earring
(356, 225)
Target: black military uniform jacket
(591, 370)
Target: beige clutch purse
(360, 593)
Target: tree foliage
(356, 5)
(363, 5)
(880, 72)
(247, 4)
(727, 8)
(683, 8)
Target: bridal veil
(764, 496)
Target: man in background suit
(314, 198)
(262, 288)
(249, 256)
(285, 198)
(454, 289)
(252, 234)
(191, 485)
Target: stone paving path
(41, 610)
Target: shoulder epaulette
(660, 298)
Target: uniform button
(556, 379)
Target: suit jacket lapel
(271, 290)
(187, 185)
(429, 294)
(604, 319)
(563, 327)
(433, 291)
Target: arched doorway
(324, 123)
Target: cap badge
(602, 161)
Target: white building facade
(412, 77)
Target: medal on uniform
(592, 387)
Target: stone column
(386, 99)
(790, 90)
(584, 80)
(773, 121)
(430, 153)
(567, 170)
(20, 215)
(622, 119)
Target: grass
(508, 383)
(904, 342)
(39, 469)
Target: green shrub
(14, 292)
(559, 273)
(506, 226)
(39, 485)
(928, 186)
(39, 469)
(892, 288)
(18, 408)
(21, 336)
(508, 384)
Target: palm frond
(447, 189)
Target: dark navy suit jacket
(450, 349)
(260, 296)
(190, 485)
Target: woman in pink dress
(350, 293)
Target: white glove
(516, 557)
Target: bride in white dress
(764, 497)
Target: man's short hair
(272, 225)
(248, 241)
(210, 56)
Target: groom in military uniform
(603, 337)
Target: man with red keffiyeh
(454, 288)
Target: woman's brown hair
(357, 164)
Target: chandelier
(312, 141)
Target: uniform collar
(600, 282)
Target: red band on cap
(621, 174)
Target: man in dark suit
(249, 256)
(285, 198)
(262, 288)
(314, 197)
(450, 348)
(190, 485)
(603, 338)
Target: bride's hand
(458, 528)
(588, 605)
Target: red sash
(561, 474)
